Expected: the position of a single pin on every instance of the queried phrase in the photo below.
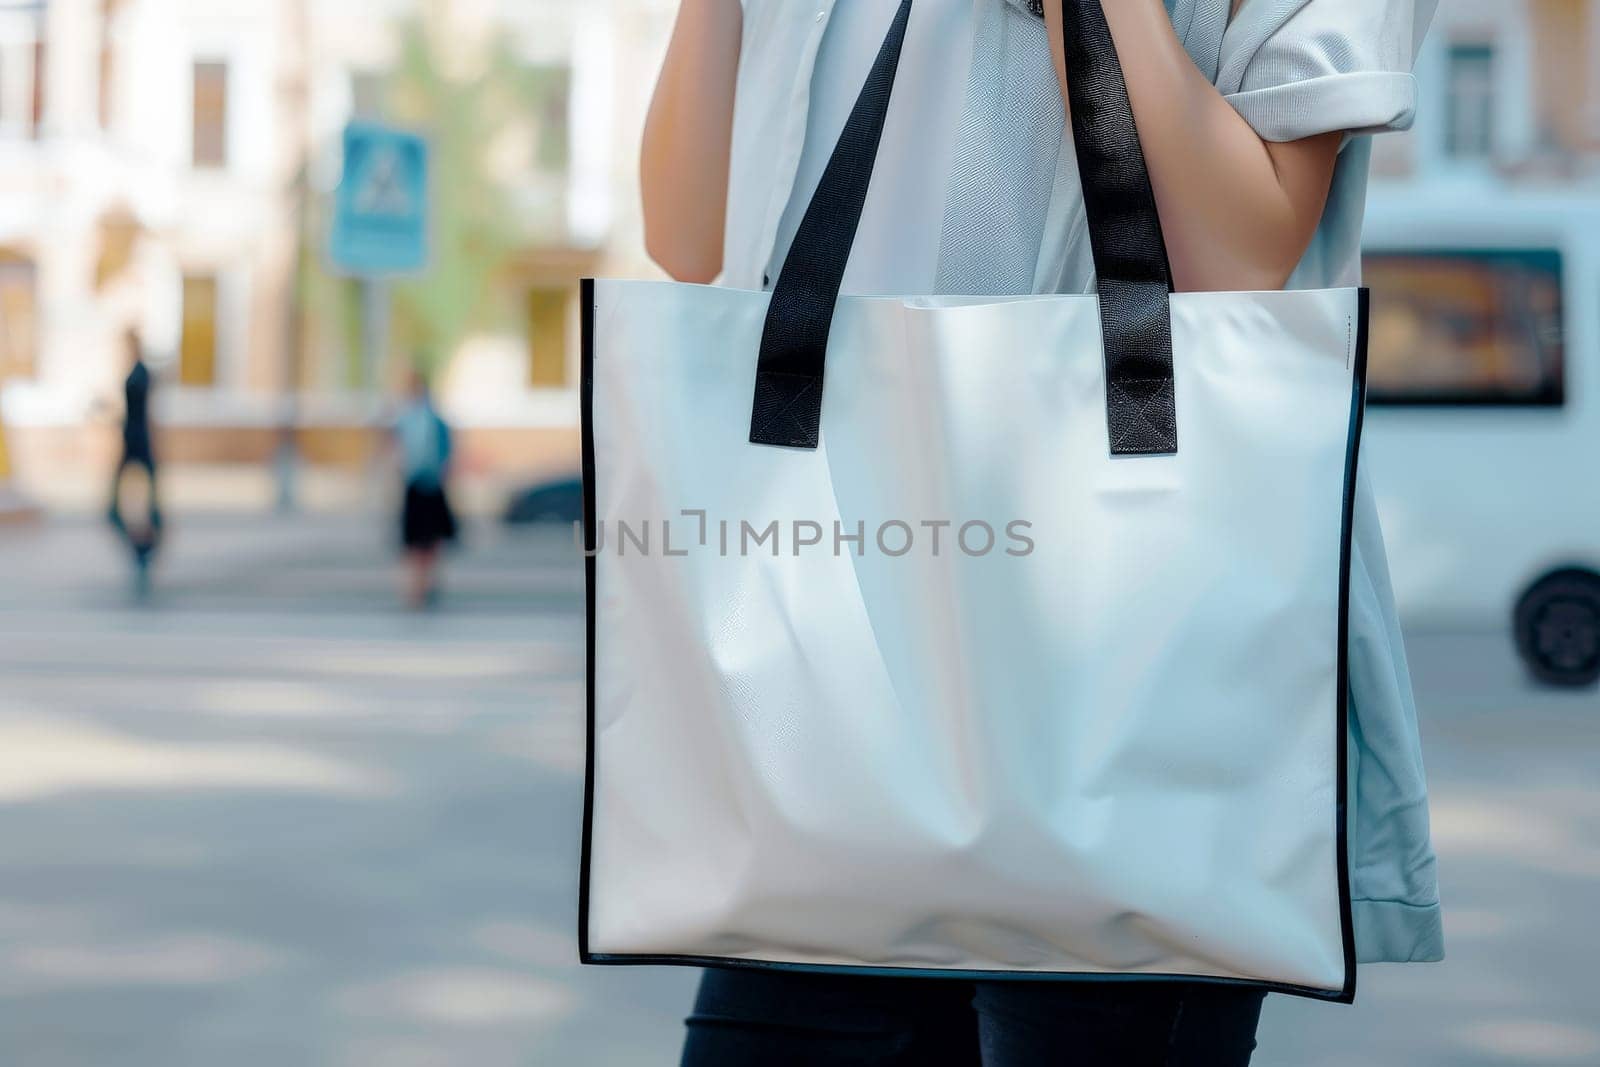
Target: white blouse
(975, 192)
(976, 185)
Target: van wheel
(1557, 627)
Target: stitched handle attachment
(1130, 252)
(794, 342)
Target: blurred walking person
(135, 475)
(426, 520)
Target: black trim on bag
(1344, 995)
(586, 421)
(1352, 456)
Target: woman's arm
(1238, 211)
(683, 166)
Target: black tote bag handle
(1130, 254)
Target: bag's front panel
(1093, 730)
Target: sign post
(380, 223)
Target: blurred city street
(275, 820)
(272, 819)
(329, 255)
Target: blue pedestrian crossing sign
(380, 218)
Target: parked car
(1483, 431)
(558, 500)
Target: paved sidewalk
(271, 819)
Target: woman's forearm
(683, 163)
(1238, 212)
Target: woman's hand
(683, 166)
(1238, 212)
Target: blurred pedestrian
(135, 475)
(422, 438)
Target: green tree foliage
(472, 225)
(468, 108)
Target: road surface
(270, 819)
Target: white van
(1483, 427)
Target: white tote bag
(1017, 650)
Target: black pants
(791, 1019)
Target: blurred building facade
(163, 164)
(1484, 213)
(1509, 93)
(1482, 244)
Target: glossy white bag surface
(1119, 752)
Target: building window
(22, 71)
(12, 90)
(547, 338)
(1470, 110)
(552, 104)
(18, 319)
(197, 348)
(110, 10)
(210, 113)
(36, 116)
(1466, 327)
(368, 89)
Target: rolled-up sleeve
(1297, 68)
